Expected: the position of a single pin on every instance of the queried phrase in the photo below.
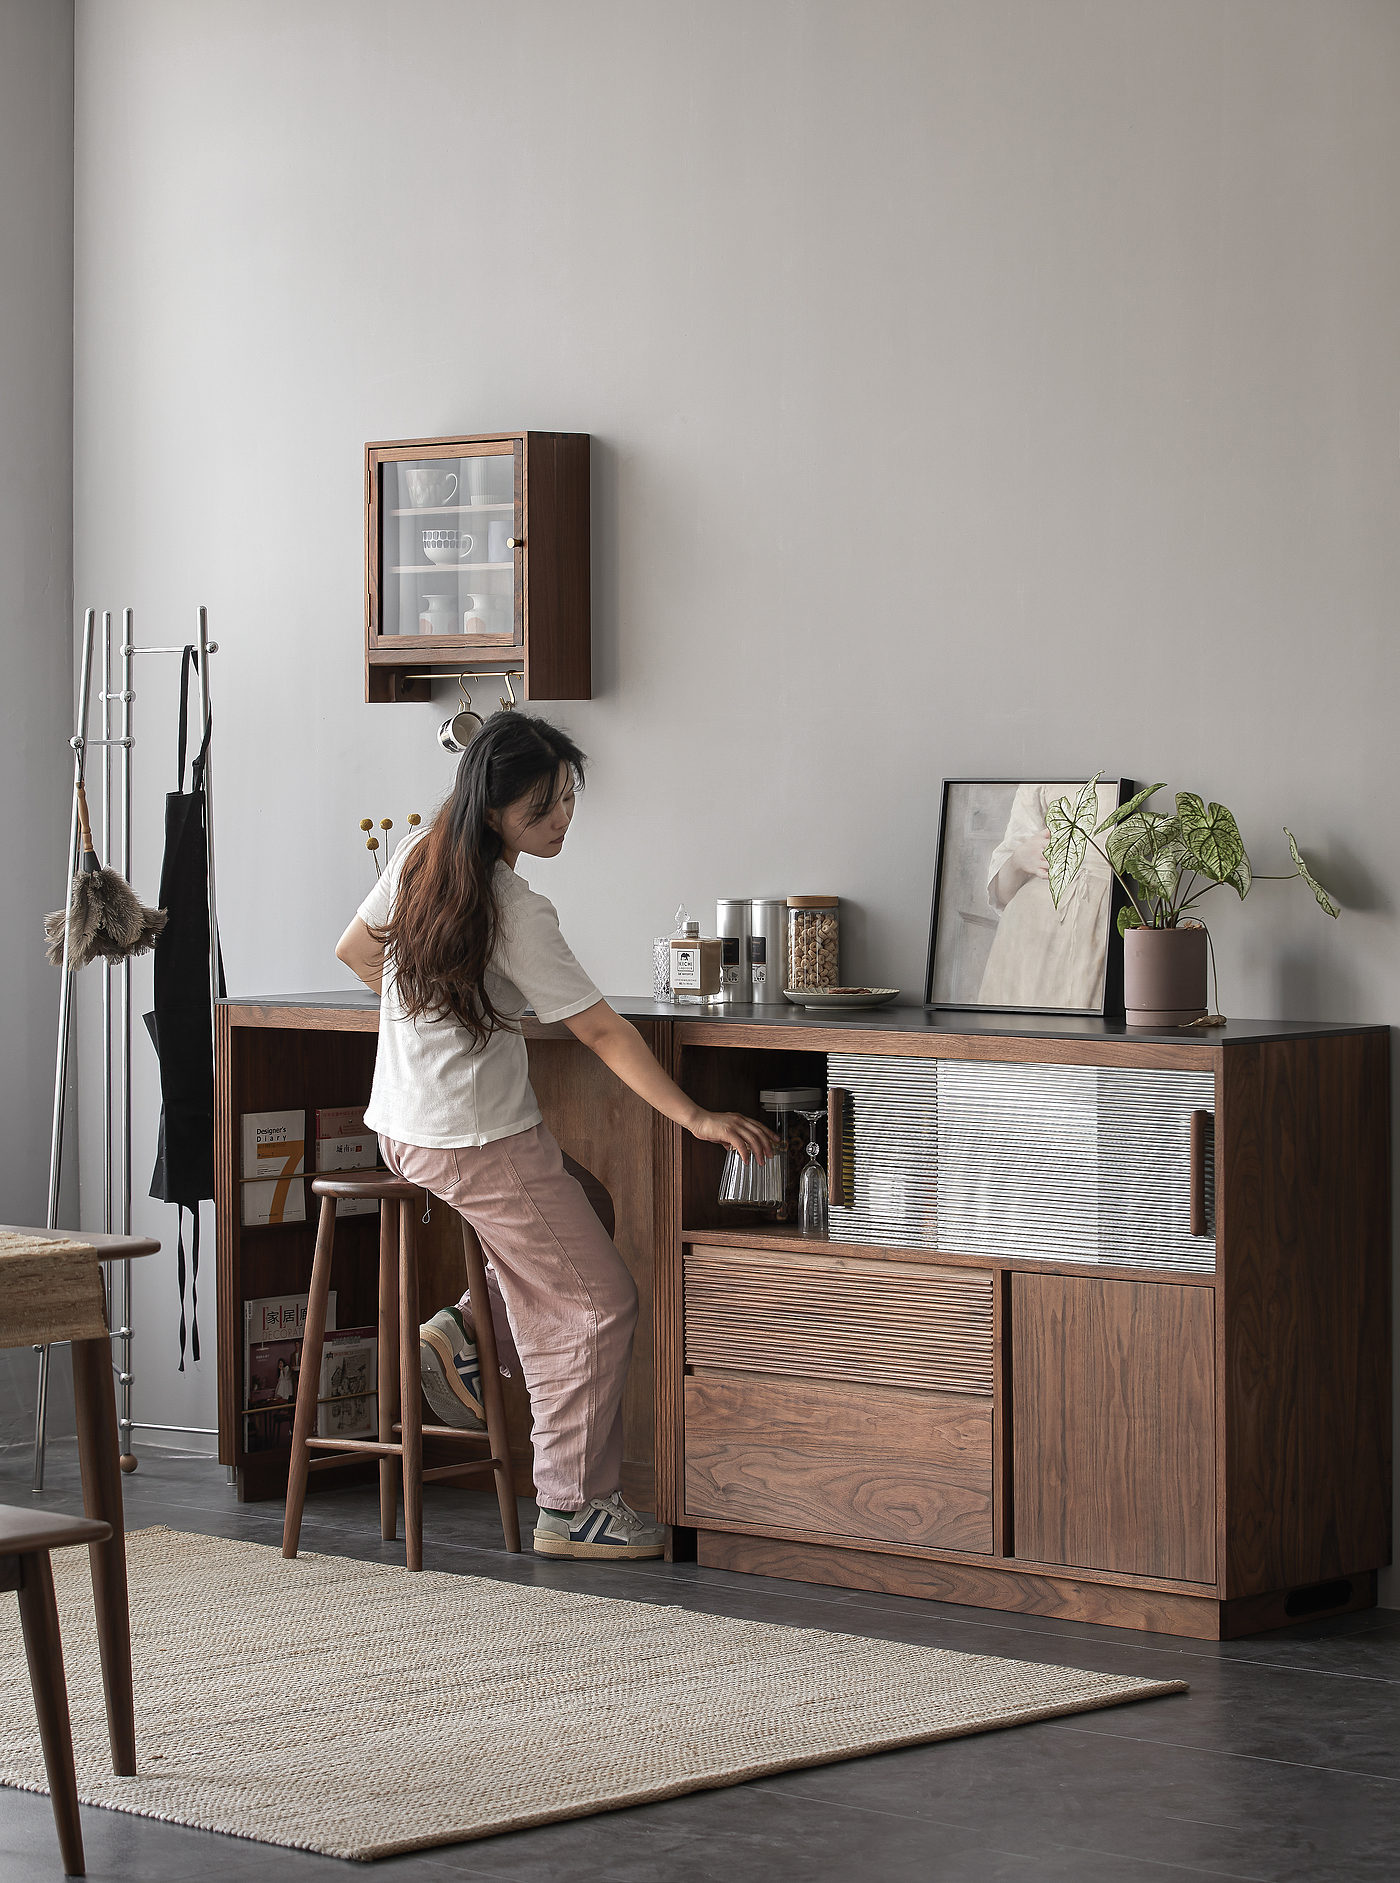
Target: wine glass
(812, 1216)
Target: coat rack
(116, 1157)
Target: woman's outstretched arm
(623, 1051)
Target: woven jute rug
(358, 1710)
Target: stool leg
(410, 1388)
(309, 1386)
(39, 1615)
(388, 1367)
(492, 1397)
(95, 1404)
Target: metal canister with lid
(767, 950)
(732, 927)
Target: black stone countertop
(965, 1024)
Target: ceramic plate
(813, 999)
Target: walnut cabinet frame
(1193, 1451)
(540, 505)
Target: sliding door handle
(1200, 1124)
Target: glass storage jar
(814, 941)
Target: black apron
(180, 1026)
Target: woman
(1042, 956)
(457, 944)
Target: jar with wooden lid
(814, 941)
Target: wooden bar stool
(399, 1374)
(26, 1537)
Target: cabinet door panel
(870, 1462)
(1113, 1424)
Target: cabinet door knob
(515, 542)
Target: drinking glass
(812, 1214)
(746, 1180)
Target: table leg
(410, 1389)
(95, 1403)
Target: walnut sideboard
(1101, 1331)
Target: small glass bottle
(697, 966)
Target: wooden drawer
(868, 1462)
(830, 1317)
(839, 1396)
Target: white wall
(36, 552)
(976, 387)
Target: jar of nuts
(814, 941)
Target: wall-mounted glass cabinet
(477, 560)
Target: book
(274, 1373)
(274, 1143)
(349, 1401)
(354, 1151)
(341, 1121)
(269, 1318)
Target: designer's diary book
(274, 1155)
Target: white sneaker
(605, 1527)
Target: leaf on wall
(1324, 901)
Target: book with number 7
(274, 1160)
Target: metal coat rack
(116, 1160)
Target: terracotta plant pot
(1164, 976)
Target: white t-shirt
(431, 1085)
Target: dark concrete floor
(1283, 1762)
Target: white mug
(427, 486)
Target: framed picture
(996, 939)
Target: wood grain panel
(858, 1461)
(1306, 1220)
(970, 1584)
(852, 1038)
(1114, 1425)
(834, 1317)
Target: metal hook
(507, 705)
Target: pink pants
(562, 1302)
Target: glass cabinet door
(448, 526)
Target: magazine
(274, 1143)
(349, 1405)
(275, 1318)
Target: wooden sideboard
(1088, 1419)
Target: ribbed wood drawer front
(865, 1462)
(839, 1318)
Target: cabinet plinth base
(1116, 1606)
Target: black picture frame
(955, 847)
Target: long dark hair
(444, 924)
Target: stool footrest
(448, 1431)
(372, 1445)
(457, 1471)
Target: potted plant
(1166, 861)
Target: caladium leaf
(1128, 917)
(1070, 828)
(1148, 848)
(1324, 901)
(1211, 837)
(1241, 877)
(1126, 810)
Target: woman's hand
(744, 1135)
(1029, 856)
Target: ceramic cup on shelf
(439, 615)
(428, 485)
(446, 545)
